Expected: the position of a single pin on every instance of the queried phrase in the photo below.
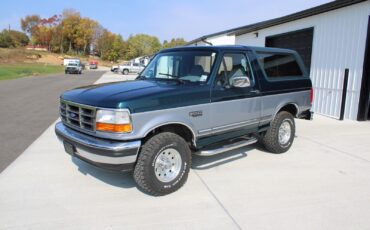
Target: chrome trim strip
(238, 124)
(226, 127)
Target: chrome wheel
(167, 165)
(285, 132)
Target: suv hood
(139, 96)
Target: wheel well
(291, 108)
(179, 129)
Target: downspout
(204, 40)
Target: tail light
(311, 96)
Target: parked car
(93, 64)
(73, 68)
(201, 100)
(130, 67)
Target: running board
(227, 147)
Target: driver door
(234, 109)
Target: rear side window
(277, 65)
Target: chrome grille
(77, 115)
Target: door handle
(255, 91)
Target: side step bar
(227, 147)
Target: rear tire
(279, 137)
(125, 72)
(163, 164)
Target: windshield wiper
(174, 77)
(168, 75)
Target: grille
(77, 115)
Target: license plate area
(69, 148)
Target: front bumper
(72, 70)
(114, 155)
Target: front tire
(279, 137)
(125, 72)
(163, 164)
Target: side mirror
(240, 82)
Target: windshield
(192, 66)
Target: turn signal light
(114, 128)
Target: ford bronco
(202, 100)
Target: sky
(165, 19)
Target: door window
(233, 65)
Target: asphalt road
(28, 106)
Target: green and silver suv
(188, 100)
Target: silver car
(130, 67)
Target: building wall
(338, 43)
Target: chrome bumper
(98, 151)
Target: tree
(173, 43)
(46, 30)
(5, 39)
(85, 33)
(13, 38)
(70, 22)
(104, 43)
(19, 38)
(141, 45)
(29, 24)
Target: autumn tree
(104, 43)
(70, 22)
(175, 42)
(47, 30)
(75, 34)
(30, 23)
(141, 45)
(85, 34)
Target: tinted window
(279, 65)
(232, 65)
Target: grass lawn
(24, 70)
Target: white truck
(130, 67)
(67, 61)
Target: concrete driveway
(323, 182)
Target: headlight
(115, 121)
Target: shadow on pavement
(118, 179)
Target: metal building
(333, 40)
